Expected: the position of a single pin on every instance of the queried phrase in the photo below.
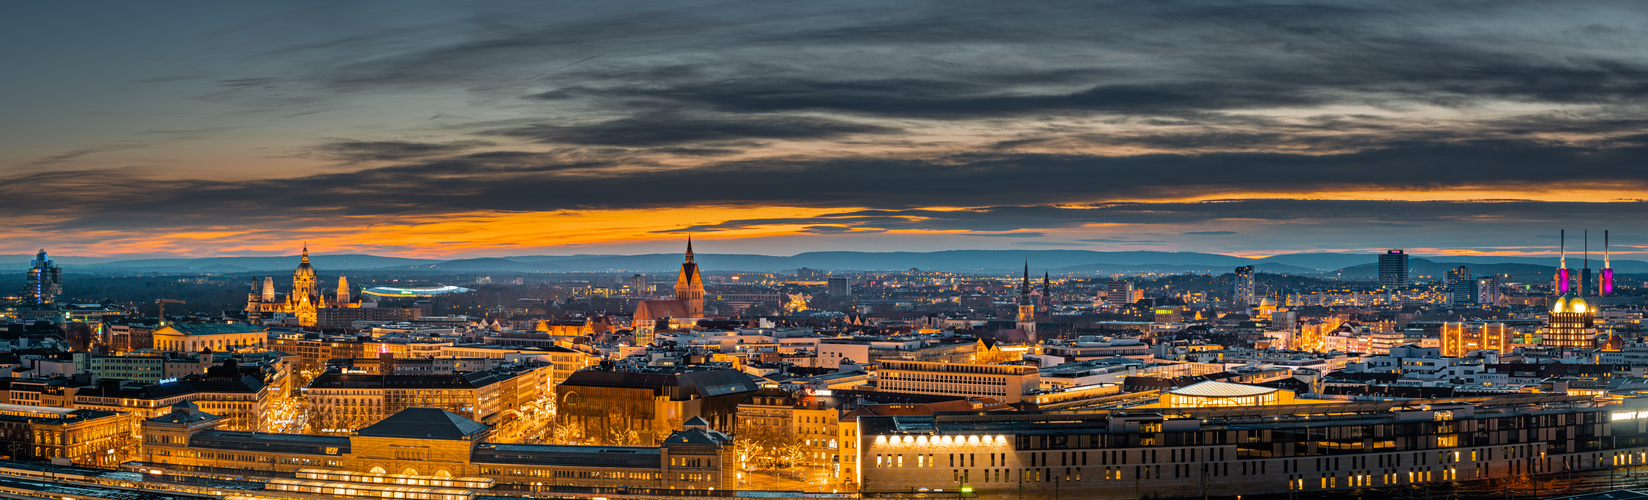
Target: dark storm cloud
(1169, 59)
(1010, 235)
(612, 67)
(932, 99)
(355, 151)
(1022, 189)
(667, 129)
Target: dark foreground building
(1189, 452)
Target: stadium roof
(390, 291)
(1216, 389)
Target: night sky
(434, 129)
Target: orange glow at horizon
(501, 233)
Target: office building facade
(1393, 269)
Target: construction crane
(161, 303)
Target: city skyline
(469, 130)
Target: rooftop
(1216, 389)
(424, 423)
(194, 329)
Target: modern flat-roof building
(1005, 383)
(1264, 449)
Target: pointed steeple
(689, 249)
(305, 252)
(1025, 288)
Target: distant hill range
(1063, 262)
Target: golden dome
(1570, 303)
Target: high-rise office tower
(1243, 294)
(1461, 287)
(1393, 269)
(839, 287)
(1119, 292)
(45, 281)
(1487, 290)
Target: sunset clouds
(445, 129)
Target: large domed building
(305, 300)
(1572, 323)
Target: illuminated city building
(1005, 383)
(1571, 324)
(688, 303)
(197, 337)
(83, 437)
(341, 402)
(314, 351)
(1393, 269)
(1255, 450)
(1026, 308)
(123, 335)
(1119, 293)
(787, 430)
(429, 447)
(1461, 287)
(45, 282)
(1243, 294)
(1045, 304)
(839, 287)
(1459, 339)
(305, 300)
(1487, 291)
(1266, 309)
(241, 401)
(1089, 347)
(1213, 393)
(346, 317)
(640, 407)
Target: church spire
(305, 252)
(689, 249)
(1024, 288)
